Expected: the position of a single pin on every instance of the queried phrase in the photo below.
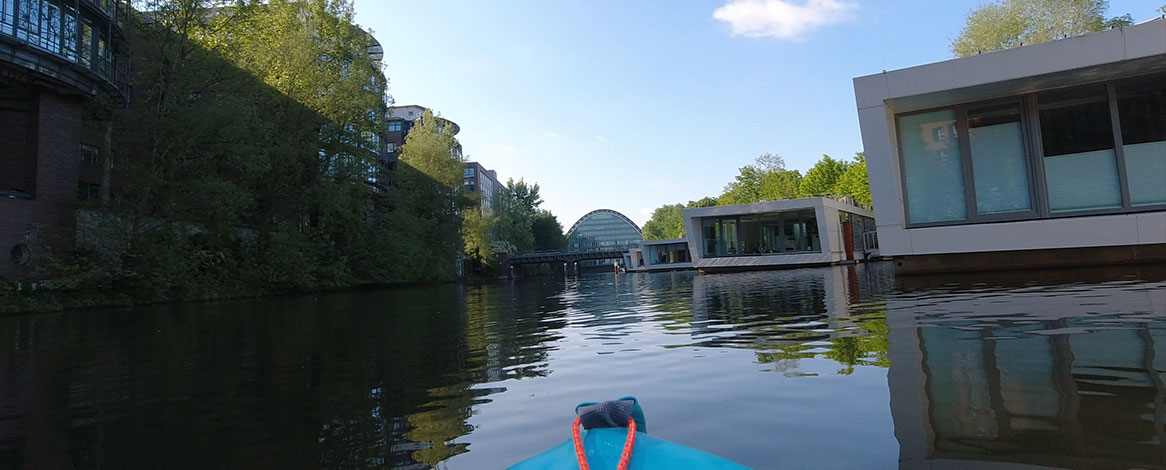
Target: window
(7, 16)
(90, 155)
(469, 172)
(999, 162)
(1075, 151)
(760, 234)
(88, 191)
(394, 126)
(69, 41)
(1079, 158)
(1142, 110)
(391, 147)
(86, 43)
(932, 170)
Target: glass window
(933, 175)
(69, 41)
(394, 125)
(1079, 158)
(1142, 110)
(28, 23)
(86, 43)
(7, 16)
(999, 163)
(759, 234)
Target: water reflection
(1052, 368)
(1030, 370)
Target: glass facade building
(603, 230)
(1033, 157)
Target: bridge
(562, 256)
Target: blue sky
(629, 105)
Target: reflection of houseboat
(1066, 376)
(779, 234)
(1046, 155)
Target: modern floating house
(779, 234)
(660, 255)
(1046, 155)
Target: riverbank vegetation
(767, 179)
(248, 162)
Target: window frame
(1034, 157)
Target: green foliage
(518, 205)
(702, 202)
(667, 222)
(854, 181)
(822, 177)
(246, 172)
(765, 180)
(547, 231)
(1011, 23)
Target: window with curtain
(1079, 158)
(932, 172)
(1142, 112)
(999, 162)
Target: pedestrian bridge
(563, 256)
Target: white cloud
(783, 19)
(601, 138)
(553, 135)
(504, 149)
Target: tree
(744, 189)
(765, 180)
(478, 228)
(1010, 23)
(854, 181)
(547, 231)
(702, 202)
(518, 206)
(822, 177)
(780, 185)
(667, 222)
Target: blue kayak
(603, 444)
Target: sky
(631, 105)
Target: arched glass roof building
(603, 230)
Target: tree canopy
(1005, 24)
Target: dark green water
(816, 368)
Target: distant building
(485, 182)
(399, 121)
(55, 56)
(1046, 155)
(603, 230)
(779, 234)
(660, 255)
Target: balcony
(70, 42)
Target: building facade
(479, 180)
(1046, 155)
(55, 55)
(778, 234)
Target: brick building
(55, 56)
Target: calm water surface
(816, 368)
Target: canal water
(844, 367)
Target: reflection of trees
(383, 378)
(788, 316)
